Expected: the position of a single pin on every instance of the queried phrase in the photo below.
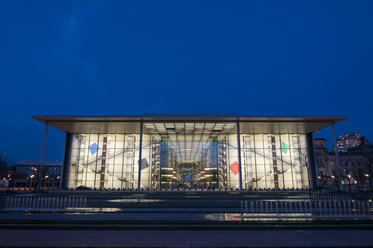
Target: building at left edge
(26, 171)
(198, 151)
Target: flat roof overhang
(130, 123)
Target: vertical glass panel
(190, 155)
(272, 160)
(104, 160)
(248, 161)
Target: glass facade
(189, 155)
(274, 161)
(196, 155)
(104, 160)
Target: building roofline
(183, 117)
(128, 123)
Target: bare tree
(359, 173)
(367, 153)
(334, 177)
(304, 160)
(347, 174)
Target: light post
(370, 186)
(31, 177)
(349, 183)
(45, 181)
(58, 181)
(36, 178)
(34, 175)
(319, 184)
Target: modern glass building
(212, 151)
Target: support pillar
(313, 168)
(337, 159)
(239, 154)
(140, 151)
(66, 161)
(41, 165)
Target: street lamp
(318, 177)
(31, 177)
(336, 182)
(370, 186)
(349, 183)
(319, 184)
(57, 182)
(36, 178)
(45, 181)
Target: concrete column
(66, 161)
(314, 182)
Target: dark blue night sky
(280, 57)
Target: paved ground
(286, 238)
(177, 219)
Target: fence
(317, 208)
(133, 197)
(340, 197)
(40, 202)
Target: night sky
(280, 57)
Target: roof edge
(171, 117)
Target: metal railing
(314, 208)
(44, 203)
(339, 197)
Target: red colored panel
(235, 168)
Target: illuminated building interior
(196, 152)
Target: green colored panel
(284, 147)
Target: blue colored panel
(93, 148)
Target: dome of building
(350, 140)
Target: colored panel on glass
(235, 168)
(93, 148)
(284, 147)
(144, 163)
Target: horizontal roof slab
(131, 124)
